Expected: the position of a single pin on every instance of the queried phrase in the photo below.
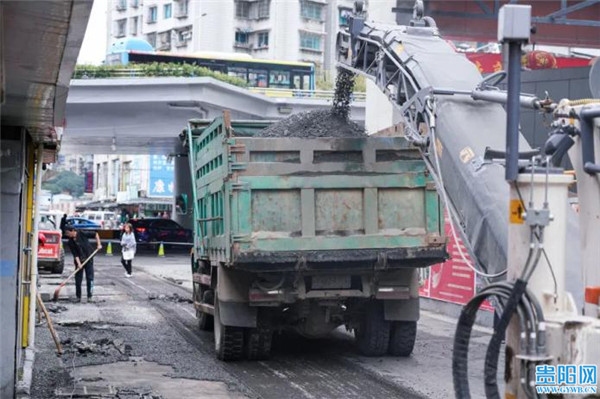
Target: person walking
(128, 246)
(81, 249)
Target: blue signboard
(161, 177)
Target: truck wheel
(258, 343)
(373, 332)
(402, 338)
(229, 341)
(205, 320)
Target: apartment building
(75, 163)
(290, 30)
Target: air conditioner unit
(186, 36)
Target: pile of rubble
(103, 346)
(171, 298)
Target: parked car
(82, 223)
(159, 230)
(106, 220)
(51, 254)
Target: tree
(65, 181)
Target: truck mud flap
(401, 310)
(236, 314)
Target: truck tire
(229, 341)
(59, 266)
(258, 343)
(402, 338)
(205, 320)
(373, 332)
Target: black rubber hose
(460, 362)
(463, 335)
(493, 351)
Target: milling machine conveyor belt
(413, 65)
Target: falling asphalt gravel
(332, 122)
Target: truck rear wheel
(229, 341)
(402, 338)
(373, 332)
(258, 343)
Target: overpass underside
(146, 115)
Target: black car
(155, 230)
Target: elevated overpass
(145, 115)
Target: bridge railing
(296, 93)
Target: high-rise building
(289, 30)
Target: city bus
(256, 72)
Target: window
(164, 40)
(263, 39)
(182, 9)
(264, 7)
(121, 5)
(242, 9)
(257, 78)
(167, 8)
(184, 36)
(279, 79)
(311, 10)
(121, 27)
(133, 26)
(344, 14)
(310, 41)
(152, 15)
(238, 72)
(135, 3)
(241, 38)
(151, 38)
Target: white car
(105, 219)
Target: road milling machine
(507, 201)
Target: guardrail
(296, 93)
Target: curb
(24, 385)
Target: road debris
(171, 298)
(55, 308)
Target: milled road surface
(140, 339)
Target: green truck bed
(276, 204)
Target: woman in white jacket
(128, 246)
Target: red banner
(489, 63)
(452, 281)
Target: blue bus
(256, 72)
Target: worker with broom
(81, 249)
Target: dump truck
(308, 235)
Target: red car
(51, 255)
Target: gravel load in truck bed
(325, 123)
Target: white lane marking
(139, 286)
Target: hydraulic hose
(493, 351)
(517, 299)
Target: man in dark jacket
(81, 249)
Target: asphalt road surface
(139, 339)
